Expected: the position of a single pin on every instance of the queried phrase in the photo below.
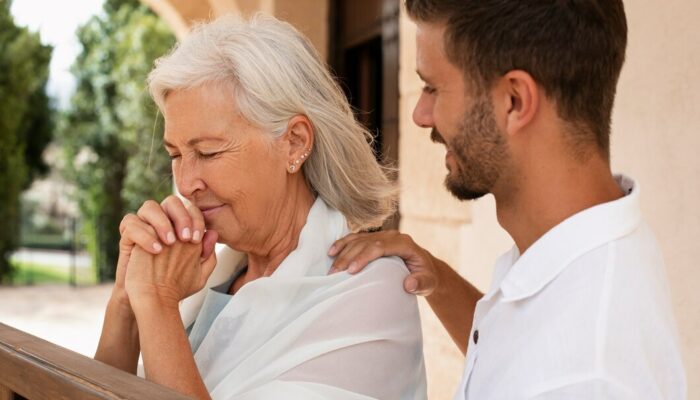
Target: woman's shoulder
(385, 268)
(383, 279)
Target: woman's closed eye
(197, 154)
(206, 156)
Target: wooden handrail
(39, 370)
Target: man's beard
(480, 152)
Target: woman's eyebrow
(194, 141)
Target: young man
(521, 95)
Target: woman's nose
(423, 112)
(188, 178)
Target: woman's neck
(284, 238)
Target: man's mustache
(436, 137)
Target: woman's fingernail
(171, 237)
(157, 247)
(331, 251)
(352, 268)
(186, 233)
(196, 236)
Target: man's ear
(521, 96)
(300, 140)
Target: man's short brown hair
(574, 49)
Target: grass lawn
(37, 274)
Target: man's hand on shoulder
(353, 252)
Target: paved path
(69, 317)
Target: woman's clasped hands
(165, 254)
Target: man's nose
(423, 112)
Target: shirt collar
(575, 236)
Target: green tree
(25, 123)
(109, 135)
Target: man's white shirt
(584, 313)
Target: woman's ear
(300, 139)
(522, 100)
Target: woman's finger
(197, 219)
(143, 235)
(208, 266)
(153, 214)
(180, 217)
(209, 243)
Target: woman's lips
(209, 211)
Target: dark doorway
(364, 53)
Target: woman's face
(232, 171)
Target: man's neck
(546, 195)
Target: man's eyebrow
(194, 141)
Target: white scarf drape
(302, 334)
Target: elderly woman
(271, 163)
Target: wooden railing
(35, 369)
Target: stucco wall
(428, 213)
(656, 137)
(309, 16)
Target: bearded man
(521, 94)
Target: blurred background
(80, 146)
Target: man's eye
(428, 89)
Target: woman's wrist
(119, 302)
(147, 299)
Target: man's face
(461, 119)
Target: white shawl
(302, 334)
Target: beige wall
(309, 16)
(656, 140)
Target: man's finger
(370, 253)
(420, 284)
(340, 244)
(346, 257)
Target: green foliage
(25, 123)
(38, 274)
(110, 140)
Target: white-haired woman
(270, 162)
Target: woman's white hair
(276, 74)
